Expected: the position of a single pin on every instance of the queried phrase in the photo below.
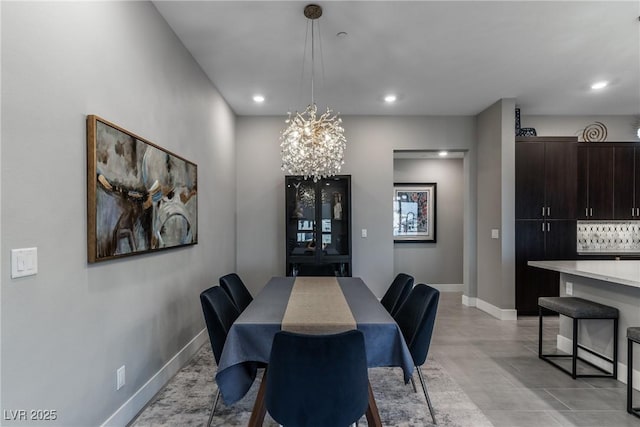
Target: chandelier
(313, 145)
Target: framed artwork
(305, 225)
(414, 212)
(140, 197)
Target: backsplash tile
(608, 237)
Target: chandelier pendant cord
(313, 145)
(300, 95)
(313, 60)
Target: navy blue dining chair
(416, 319)
(317, 380)
(219, 314)
(397, 293)
(237, 291)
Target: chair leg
(213, 408)
(424, 388)
(413, 383)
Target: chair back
(237, 291)
(416, 319)
(397, 293)
(219, 314)
(317, 380)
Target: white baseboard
(448, 287)
(497, 312)
(566, 345)
(144, 394)
(468, 301)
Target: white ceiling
(440, 57)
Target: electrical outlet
(569, 288)
(120, 377)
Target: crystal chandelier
(312, 145)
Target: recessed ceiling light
(443, 153)
(258, 99)
(389, 99)
(599, 85)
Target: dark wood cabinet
(529, 183)
(626, 183)
(318, 226)
(546, 178)
(557, 184)
(595, 182)
(540, 240)
(546, 202)
(560, 240)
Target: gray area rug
(186, 399)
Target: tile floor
(496, 363)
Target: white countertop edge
(624, 272)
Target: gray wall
(66, 330)
(440, 262)
(495, 192)
(369, 159)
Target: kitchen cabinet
(595, 181)
(546, 178)
(538, 240)
(626, 182)
(546, 203)
(318, 226)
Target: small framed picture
(305, 225)
(414, 212)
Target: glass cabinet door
(301, 217)
(334, 214)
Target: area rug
(186, 399)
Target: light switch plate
(120, 377)
(24, 262)
(364, 233)
(495, 233)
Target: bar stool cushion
(578, 308)
(633, 333)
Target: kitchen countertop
(624, 272)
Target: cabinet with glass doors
(318, 226)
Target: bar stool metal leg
(630, 408)
(540, 332)
(615, 349)
(574, 358)
(629, 376)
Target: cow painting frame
(141, 197)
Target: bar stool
(633, 336)
(579, 309)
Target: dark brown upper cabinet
(595, 181)
(626, 184)
(546, 170)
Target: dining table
(311, 305)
